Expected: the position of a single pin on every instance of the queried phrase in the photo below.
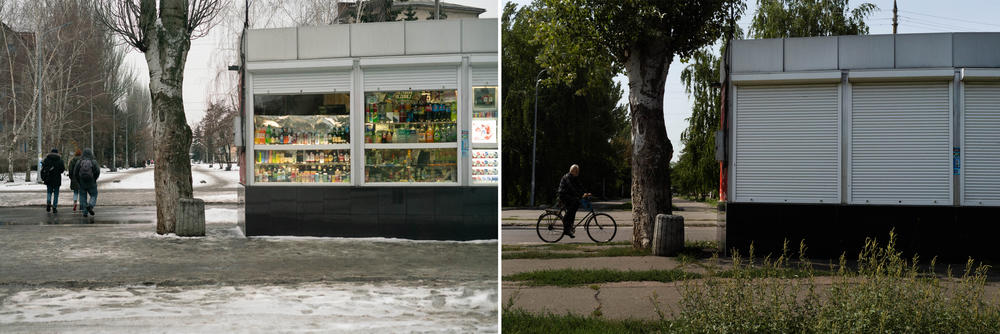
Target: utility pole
(91, 125)
(437, 9)
(114, 139)
(126, 140)
(895, 17)
(534, 137)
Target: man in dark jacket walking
(570, 193)
(52, 169)
(72, 180)
(86, 173)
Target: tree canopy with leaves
(807, 18)
(641, 38)
(579, 122)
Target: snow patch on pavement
(323, 307)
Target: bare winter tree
(163, 30)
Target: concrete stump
(190, 218)
(668, 235)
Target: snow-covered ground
(136, 179)
(310, 307)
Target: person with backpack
(52, 169)
(86, 173)
(72, 180)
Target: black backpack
(86, 170)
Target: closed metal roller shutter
(410, 78)
(787, 145)
(981, 145)
(485, 76)
(901, 144)
(306, 82)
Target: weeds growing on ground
(886, 293)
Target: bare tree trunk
(651, 152)
(167, 53)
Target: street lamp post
(534, 136)
(38, 86)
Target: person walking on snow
(86, 173)
(52, 169)
(73, 185)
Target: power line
(938, 24)
(951, 18)
(931, 25)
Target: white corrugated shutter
(485, 76)
(304, 82)
(901, 144)
(410, 78)
(787, 144)
(981, 145)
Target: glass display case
(428, 116)
(411, 165)
(309, 119)
(303, 166)
(302, 139)
(485, 166)
(485, 156)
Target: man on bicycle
(571, 192)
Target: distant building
(416, 10)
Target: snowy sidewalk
(127, 187)
(124, 278)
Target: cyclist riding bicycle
(571, 194)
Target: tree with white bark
(162, 30)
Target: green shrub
(886, 293)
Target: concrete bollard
(668, 235)
(190, 218)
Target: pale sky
(916, 16)
(202, 67)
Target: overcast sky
(201, 66)
(915, 17)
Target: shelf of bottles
(304, 119)
(485, 166)
(428, 116)
(484, 115)
(303, 166)
(411, 165)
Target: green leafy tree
(641, 38)
(696, 171)
(578, 121)
(806, 18)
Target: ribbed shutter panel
(305, 82)
(981, 150)
(485, 76)
(900, 144)
(787, 144)
(410, 78)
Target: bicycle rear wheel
(601, 228)
(550, 227)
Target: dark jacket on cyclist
(570, 189)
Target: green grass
(574, 277)
(520, 321)
(600, 252)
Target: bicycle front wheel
(550, 227)
(601, 228)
